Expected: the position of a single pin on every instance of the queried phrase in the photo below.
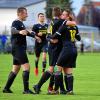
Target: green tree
(63, 4)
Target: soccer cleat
(63, 92)
(36, 89)
(7, 91)
(28, 92)
(70, 93)
(36, 71)
(50, 89)
(53, 92)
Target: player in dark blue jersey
(18, 41)
(55, 46)
(41, 31)
(68, 55)
(50, 71)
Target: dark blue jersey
(68, 34)
(18, 39)
(41, 28)
(55, 24)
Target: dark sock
(44, 78)
(36, 63)
(51, 83)
(59, 81)
(26, 80)
(44, 65)
(69, 82)
(62, 84)
(10, 80)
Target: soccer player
(55, 46)
(52, 63)
(68, 55)
(18, 41)
(41, 31)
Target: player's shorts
(19, 55)
(67, 57)
(40, 47)
(54, 51)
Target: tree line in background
(63, 4)
(88, 15)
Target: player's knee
(51, 69)
(15, 69)
(44, 56)
(68, 71)
(26, 67)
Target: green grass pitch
(86, 84)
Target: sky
(77, 4)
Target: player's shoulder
(75, 27)
(35, 25)
(46, 25)
(16, 21)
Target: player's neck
(20, 19)
(55, 17)
(42, 23)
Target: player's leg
(25, 75)
(45, 49)
(44, 62)
(26, 72)
(59, 81)
(42, 80)
(58, 73)
(37, 54)
(12, 76)
(52, 63)
(69, 80)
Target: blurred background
(87, 14)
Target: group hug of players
(58, 39)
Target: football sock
(69, 82)
(44, 78)
(10, 80)
(25, 76)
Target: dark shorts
(19, 55)
(40, 47)
(67, 57)
(54, 51)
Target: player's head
(41, 17)
(66, 14)
(22, 13)
(56, 12)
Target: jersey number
(72, 34)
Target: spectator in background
(0, 43)
(3, 42)
(82, 47)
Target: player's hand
(23, 32)
(40, 34)
(71, 23)
(54, 41)
(38, 39)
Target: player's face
(23, 15)
(41, 18)
(64, 15)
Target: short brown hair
(69, 14)
(40, 14)
(56, 11)
(20, 9)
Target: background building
(8, 12)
